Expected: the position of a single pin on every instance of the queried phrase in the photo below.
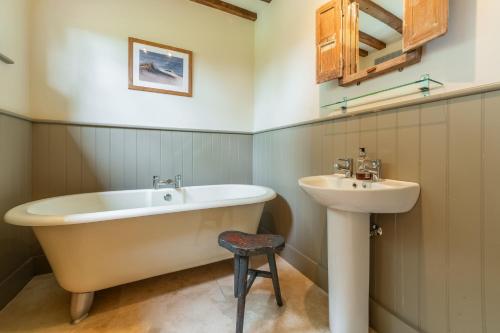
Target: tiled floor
(195, 300)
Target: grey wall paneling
(436, 268)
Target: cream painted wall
(369, 60)
(285, 88)
(79, 63)
(14, 44)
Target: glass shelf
(424, 86)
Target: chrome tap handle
(377, 165)
(178, 181)
(156, 182)
(346, 168)
(347, 161)
(374, 167)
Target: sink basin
(351, 195)
(350, 202)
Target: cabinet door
(329, 41)
(423, 21)
(351, 37)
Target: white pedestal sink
(350, 202)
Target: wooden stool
(245, 246)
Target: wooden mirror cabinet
(338, 36)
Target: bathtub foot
(80, 306)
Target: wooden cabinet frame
(415, 14)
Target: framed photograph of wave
(159, 68)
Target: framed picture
(159, 68)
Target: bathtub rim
(20, 216)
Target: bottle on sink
(361, 173)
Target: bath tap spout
(174, 183)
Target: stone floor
(195, 300)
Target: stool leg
(276, 281)
(242, 292)
(236, 273)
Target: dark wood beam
(371, 41)
(6, 59)
(229, 8)
(363, 53)
(268, 1)
(381, 14)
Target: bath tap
(175, 183)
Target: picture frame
(159, 68)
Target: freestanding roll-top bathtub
(100, 240)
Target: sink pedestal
(348, 271)
(349, 203)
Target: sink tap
(175, 183)
(374, 167)
(344, 165)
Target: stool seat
(244, 244)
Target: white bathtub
(100, 240)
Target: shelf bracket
(344, 104)
(425, 88)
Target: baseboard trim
(310, 268)
(16, 281)
(381, 318)
(41, 265)
(384, 321)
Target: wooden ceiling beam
(228, 8)
(371, 41)
(363, 53)
(381, 14)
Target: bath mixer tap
(175, 183)
(344, 165)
